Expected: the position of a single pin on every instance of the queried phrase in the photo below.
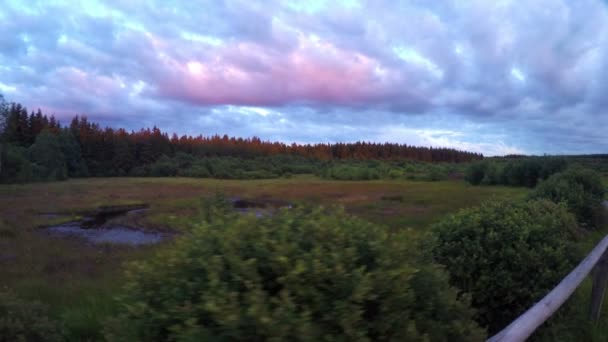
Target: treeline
(376, 169)
(524, 171)
(38, 147)
(261, 167)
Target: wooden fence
(521, 328)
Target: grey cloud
(559, 46)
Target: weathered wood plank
(527, 323)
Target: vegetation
(23, 321)
(302, 275)
(581, 190)
(374, 169)
(514, 172)
(263, 167)
(78, 281)
(506, 255)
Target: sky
(496, 77)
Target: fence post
(600, 280)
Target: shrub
(352, 172)
(140, 171)
(436, 173)
(301, 275)
(25, 321)
(518, 172)
(163, 167)
(580, 189)
(506, 255)
(198, 170)
(493, 175)
(16, 168)
(475, 173)
(395, 174)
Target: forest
(37, 147)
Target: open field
(78, 279)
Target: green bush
(16, 168)
(580, 189)
(395, 174)
(436, 174)
(163, 167)
(25, 321)
(300, 275)
(198, 170)
(475, 173)
(506, 255)
(515, 172)
(344, 171)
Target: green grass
(77, 280)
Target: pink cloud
(250, 74)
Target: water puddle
(96, 227)
(112, 234)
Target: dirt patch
(392, 198)
(105, 213)
(415, 209)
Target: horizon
(494, 78)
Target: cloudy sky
(491, 76)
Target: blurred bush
(22, 321)
(300, 275)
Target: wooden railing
(521, 328)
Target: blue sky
(495, 77)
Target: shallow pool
(112, 234)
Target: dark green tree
(48, 158)
(76, 166)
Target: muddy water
(112, 234)
(95, 228)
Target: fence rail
(597, 260)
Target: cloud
(529, 76)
